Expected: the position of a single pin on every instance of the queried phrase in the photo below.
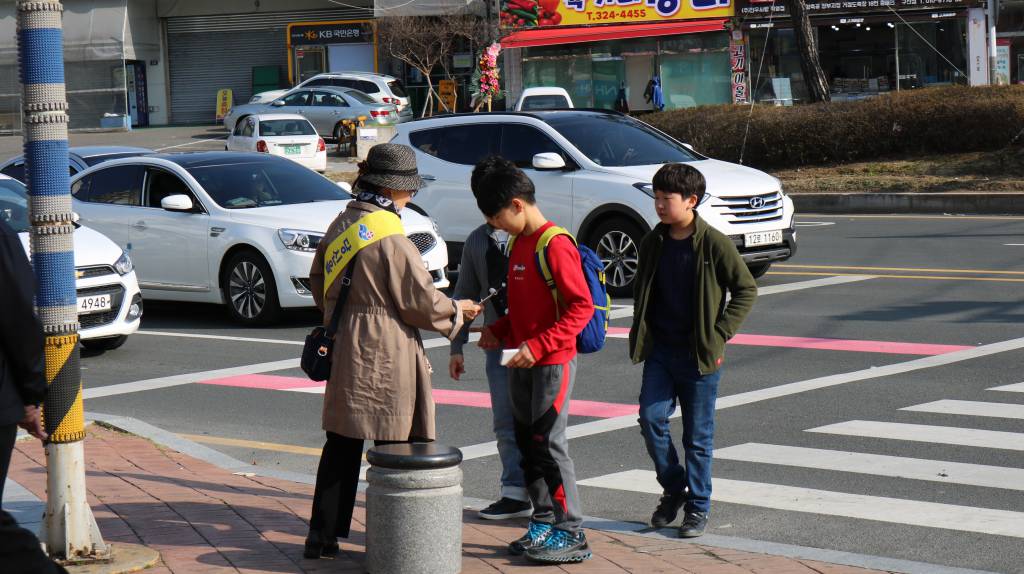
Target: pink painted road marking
(887, 347)
(441, 396)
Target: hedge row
(950, 119)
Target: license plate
(94, 304)
(762, 238)
(292, 150)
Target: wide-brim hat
(392, 166)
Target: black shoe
(536, 535)
(507, 508)
(561, 547)
(693, 524)
(316, 546)
(668, 509)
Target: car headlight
(298, 240)
(645, 187)
(123, 265)
(704, 199)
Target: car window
(14, 205)
(239, 126)
(619, 141)
(519, 143)
(161, 183)
(544, 102)
(264, 182)
(367, 87)
(465, 144)
(296, 99)
(360, 97)
(328, 99)
(119, 185)
(397, 88)
(15, 170)
(319, 82)
(297, 127)
(248, 128)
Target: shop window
(519, 143)
(466, 144)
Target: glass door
(309, 61)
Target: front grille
(93, 271)
(739, 210)
(107, 317)
(423, 241)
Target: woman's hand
(488, 340)
(470, 309)
(524, 359)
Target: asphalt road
(830, 432)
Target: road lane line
(1014, 388)
(922, 269)
(877, 465)
(258, 445)
(927, 433)
(220, 138)
(970, 408)
(217, 337)
(829, 503)
(928, 277)
(187, 378)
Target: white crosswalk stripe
(877, 508)
(927, 433)
(1016, 388)
(972, 408)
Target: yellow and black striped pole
(69, 529)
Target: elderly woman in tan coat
(379, 388)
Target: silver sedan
(325, 107)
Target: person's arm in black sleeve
(21, 334)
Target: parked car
(109, 301)
(226, 227)
(382, 88)
(324, 107)
(287, 135)
(79, 159)
(543, 99)
(593, 172)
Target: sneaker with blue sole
(561, 547)
(535, 536)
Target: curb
(932, 203)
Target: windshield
(14, 205)
(361, 97)
(544, 102)
(263, 183)
(397, 88)
(618, 141)
(98, 159)
(295, 127)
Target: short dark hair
(680, 178)
(496, 181)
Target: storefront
(683, 44)
(340, 46)
(1010, 42)
(866, 47)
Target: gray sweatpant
(540, 406)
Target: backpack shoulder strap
(542, 260)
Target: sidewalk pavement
(204, 519)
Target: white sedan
(109, 301)
(287, 135)
(226, 227)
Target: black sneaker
(507, 508)
(535, 536)
(561, 547)
(668, 509)
(693, 524)
(316, 546)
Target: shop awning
(552, 36)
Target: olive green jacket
(719, 268)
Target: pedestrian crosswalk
(866, 435)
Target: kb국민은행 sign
(544, 13)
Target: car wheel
(250, 290)
(617, 243)
(759, 269)
(105, 344)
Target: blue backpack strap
(542, 262)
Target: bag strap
(542, 262)
(364, 232)
(346, 286)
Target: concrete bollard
(414, 509)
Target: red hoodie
(531, 307)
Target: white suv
(383, 89)
(593, 172)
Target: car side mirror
(180, 202)
(548, 161)
(345, 186)
(277, 103)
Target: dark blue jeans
(670, 374)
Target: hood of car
(91, 247)
(723, 179)
(315, 216)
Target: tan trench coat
(380, 377)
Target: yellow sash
(367, 230)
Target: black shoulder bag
(316, 353)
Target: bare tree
(807, 47)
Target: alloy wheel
(619, 254)
(247, 290)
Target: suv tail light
(320, 146)
(261, 146)
(387, 100)
(378, 113)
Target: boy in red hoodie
(542, 372)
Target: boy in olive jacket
(681, 322)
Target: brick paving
(205, 520)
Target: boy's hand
(33, 423)
(470, 309)
(488, 340)
(524, 359)
(456, 366)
